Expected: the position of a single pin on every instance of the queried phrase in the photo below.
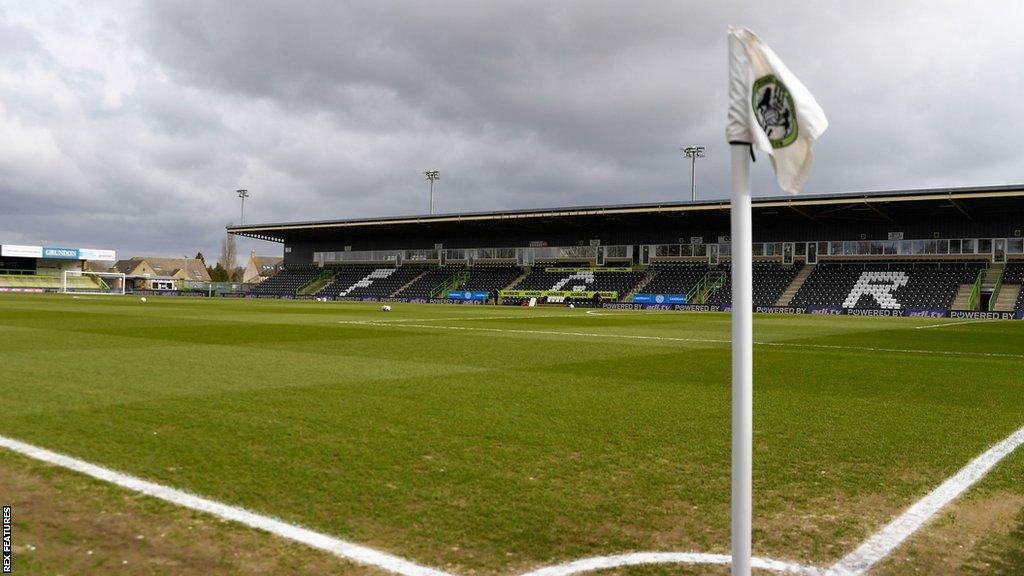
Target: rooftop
(888, 205)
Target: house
(153, 273)
(261, 267)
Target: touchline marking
(521, 331)
(630, 313)
(640, 558)
(381, 324)
(894, 350)
(293, 532)
(454, 318)
(877, 547)
(953, 323)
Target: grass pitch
(493, 439)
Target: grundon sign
(60, 253)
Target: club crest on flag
(771, 110)
(774, 111)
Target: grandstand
(907, 251)
(42, 268)
(16, 281)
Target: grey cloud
(326, 109)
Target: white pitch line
(877, 547)
(451, 318)
(641, 558)
(960, 353)
(629, 313)
(895, 350)
(944, 324)
(335, 546)
(523, 331)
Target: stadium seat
(1014, 274)
(886, 285)
(770, 280)
(423, 286)
(675, 278)
(491, 277)
(360, 281)
(584, 280)
(287, 281)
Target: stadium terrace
(52, 268)
(931, 252)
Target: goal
(78, 282)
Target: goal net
(78, 282)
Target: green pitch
(493, 439)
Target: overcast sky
(129, 125)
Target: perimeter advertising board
(468, 295)
(17, 251)
(56, 252)
(660, 298)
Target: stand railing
(972, 301)
(705, 288)
(452, 283)
(995, 291)
(316, 284)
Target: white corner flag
(771, 110)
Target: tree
(228, 252)
(218, 273)
(199, 256)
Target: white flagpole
(742, 362)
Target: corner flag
(772, 110)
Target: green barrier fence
(705, 288)
(314, 285)
(453, 283)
